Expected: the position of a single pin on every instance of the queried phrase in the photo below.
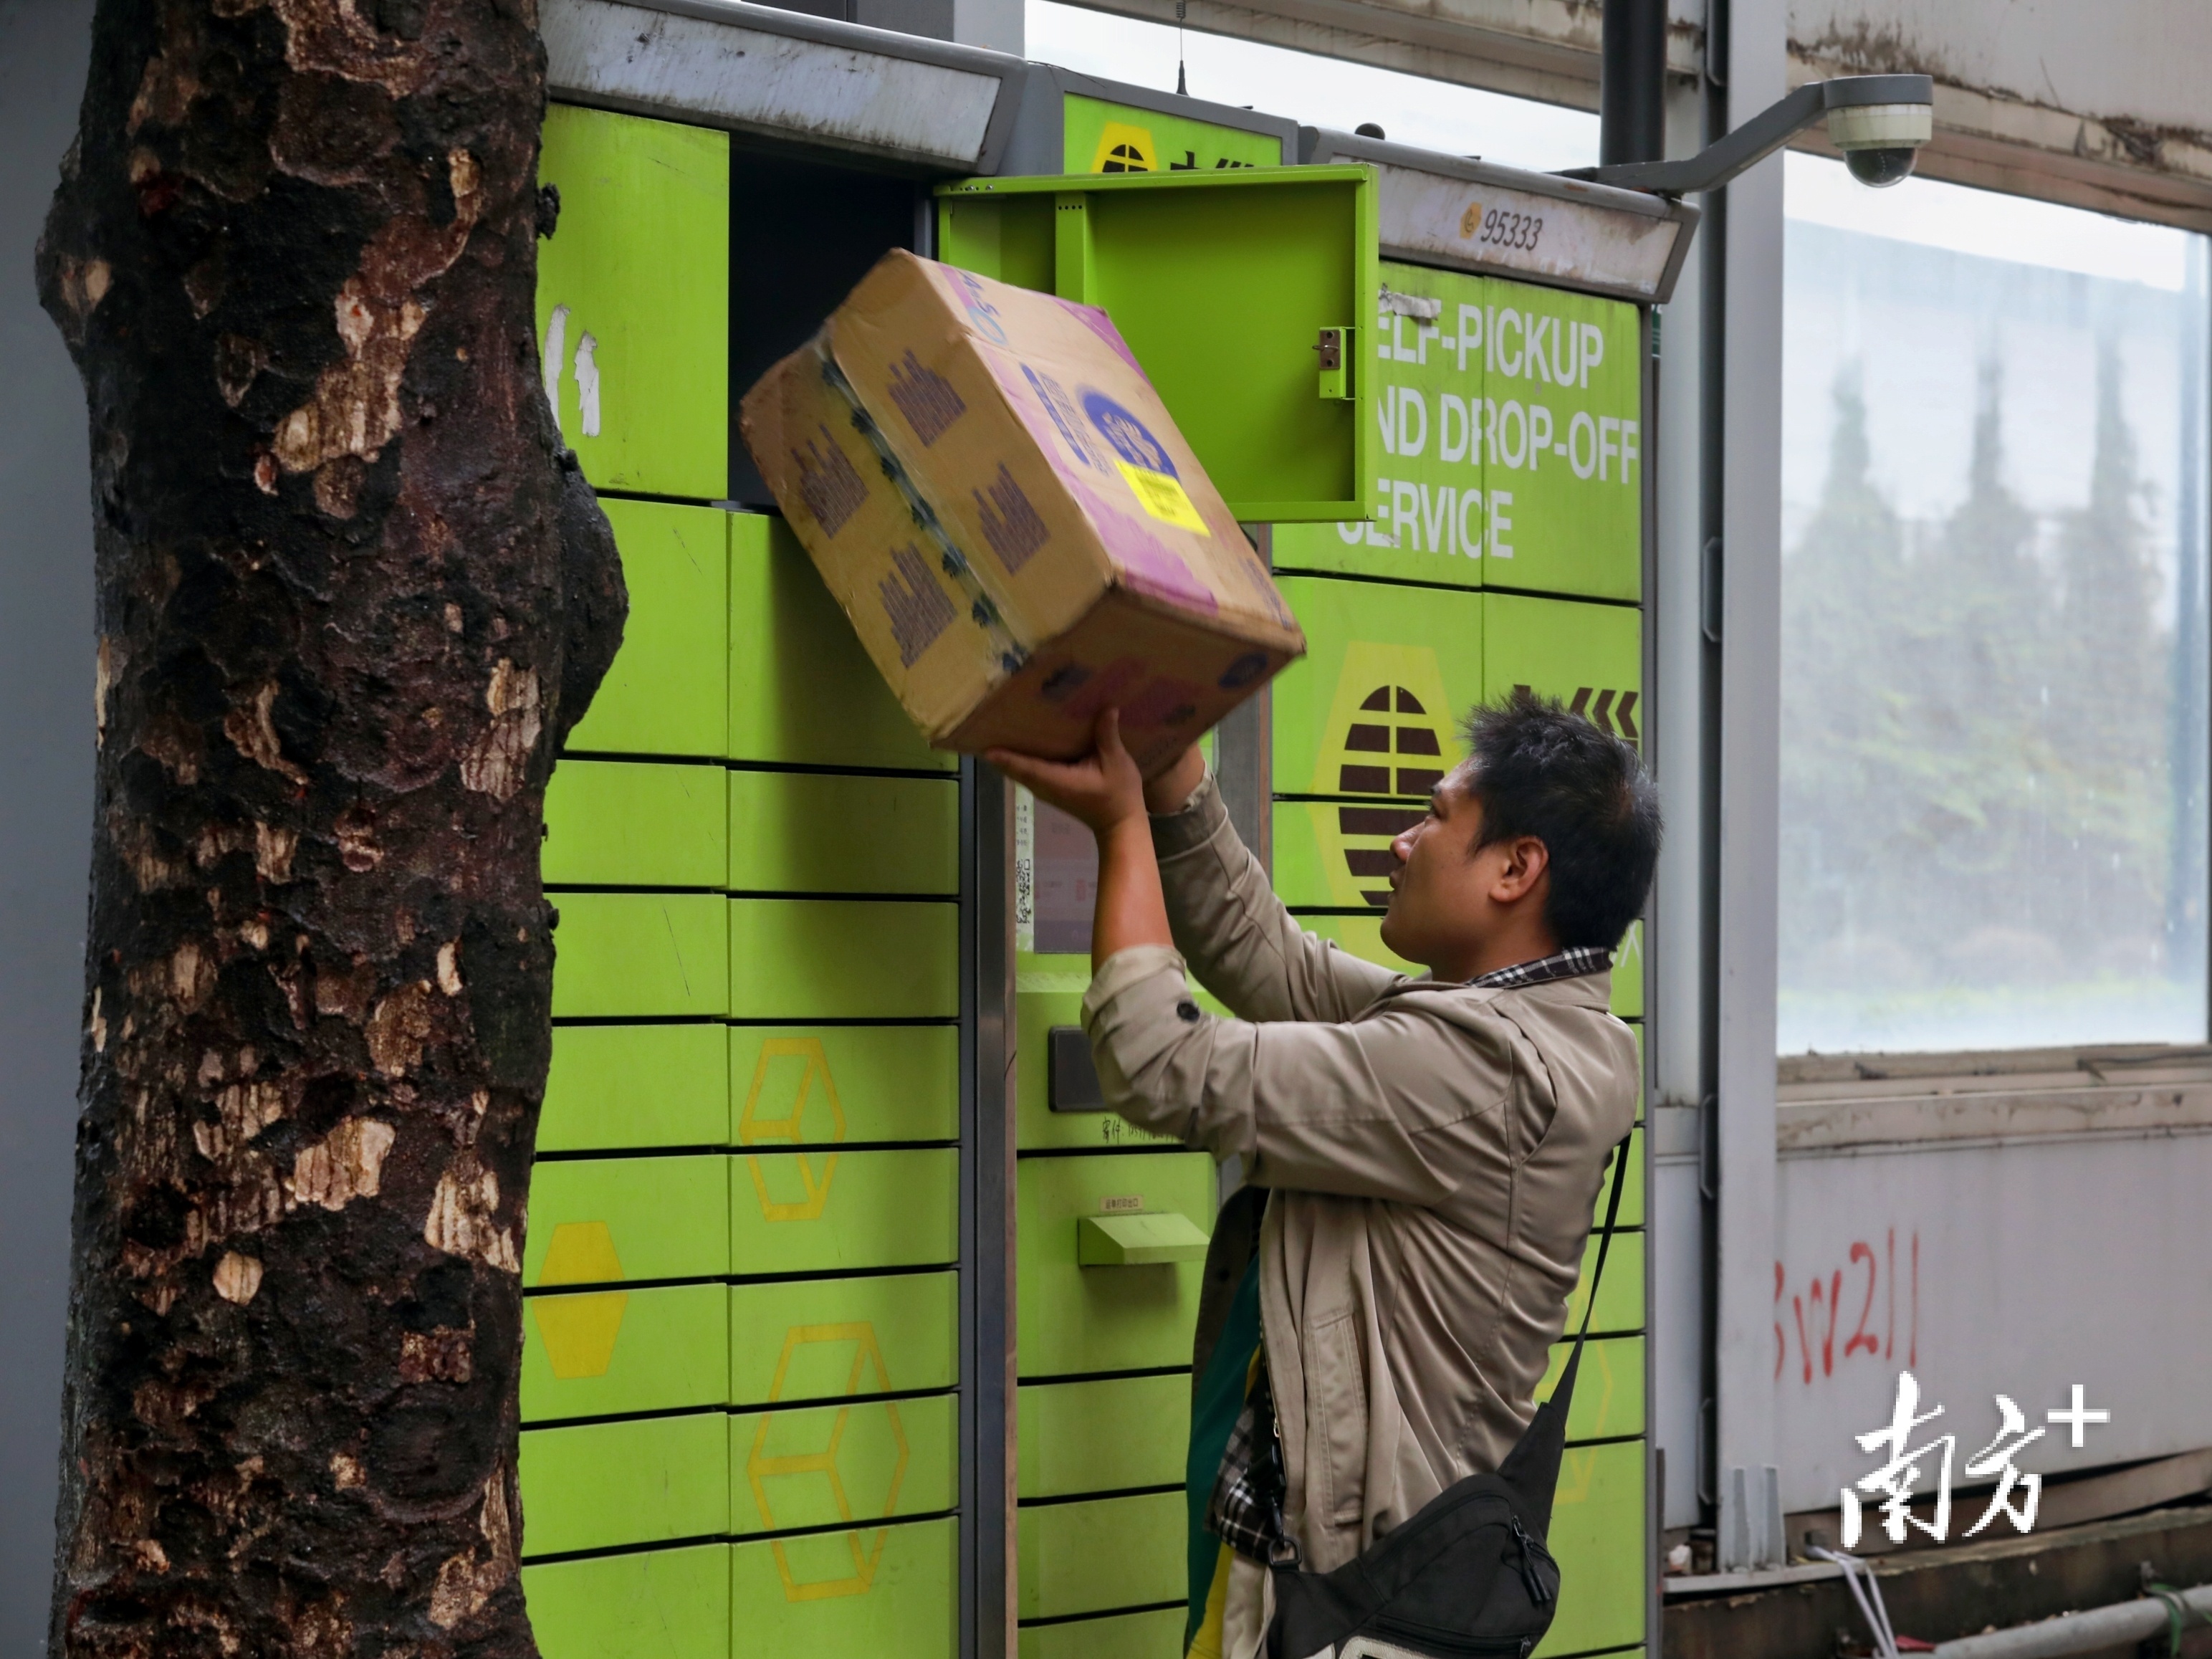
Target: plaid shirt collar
(1569, 964)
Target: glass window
(1993, 659)
(1326, 92)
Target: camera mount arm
(1882, 116)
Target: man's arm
(1403, 1105)
(1245, 946)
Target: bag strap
(1563, 1395)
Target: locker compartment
(601, 1486)
(1621, 1299)
(595, 1353)
(822, 1084)
(873, 1461)
(1370, 718)
(1104, 1553)
(1362, 935)
(833, 1210)
(633, 299)
(1154, 1635)
(1037, 1126)
(641, 954)
(633, 824)
(665, 692)
(1631, 1189)
(1221, 283)
(655, 1604)
(1072, 1319)
(1569, 366)
(1597, 1537)
(801, 689)
(872, 1591)
(806, 832)
(613, 1087)
(599, 1221)
(1426, 486)
(829, 1339)
(1591, 658)
(1609, 1390)
(1112, 1435)
(797, 959)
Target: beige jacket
(1435, 1153)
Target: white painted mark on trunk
(587, 382)
(556, 348)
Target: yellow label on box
(1163, 496)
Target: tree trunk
(351, 595)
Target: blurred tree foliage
(1977, 780)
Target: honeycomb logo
(854, 1471)
(792, 1098)
(579, 1331)
(1124, 149)
(1388, 735)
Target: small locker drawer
(633, 300)
(801, 689)
(1149, 1635)
(641, 955)
(1105, 1553)
(806, 832)
(600, 1221)
(656, 1604)
(613, 1087)
(1597, 1537)
(1609, 1389)
(667, 691)
(1111, 1435)
(813, 1085)
(1621, 1299)
(1073, 1319)
(868, 1593)
(830, 1211)
(799, 959)
(601, 1486)
(597, 1353)
(834, 1338)
(635, 823)
(869, 1461)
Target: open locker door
(1243, 292)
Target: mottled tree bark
(350, 597)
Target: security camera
(1878, 121)
(1879, 140)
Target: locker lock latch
(1334, 350)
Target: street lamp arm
(1911, 95)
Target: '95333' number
(1501, 227)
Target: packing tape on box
(1012, 652)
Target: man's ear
(1525, 861)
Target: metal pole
(1632, 88)
(2094, 1631)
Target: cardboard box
(995, 495)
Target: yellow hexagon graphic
(761, 1466)
(792, 1075)
(579, 1331)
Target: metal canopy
(945, 110)
(871, 92)
(1473, 214)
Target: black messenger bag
(1468, 1577)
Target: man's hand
(1105, 791)
(1101, 790)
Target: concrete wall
(46, 798)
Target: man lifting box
(1431, 1148)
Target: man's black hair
(1537, 770)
